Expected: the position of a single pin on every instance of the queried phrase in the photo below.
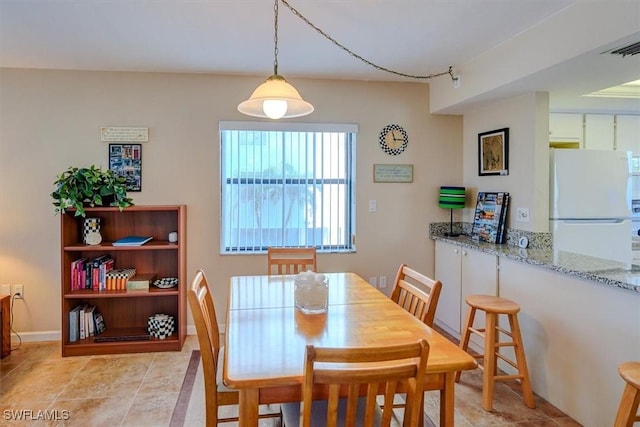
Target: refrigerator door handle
(594, 220)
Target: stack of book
(91, 273)
(118, 277)
(490, 217)
(84, 322)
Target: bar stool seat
(493, 307)
(628, 409)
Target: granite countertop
(606, 272)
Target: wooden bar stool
(628, 409)
(494, 306)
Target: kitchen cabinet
(462, 272)
(599, 131)
(628, 134)
(575, 333)
(565, 130)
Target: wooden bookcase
(126, 312)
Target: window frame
(250, 126)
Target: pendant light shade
(275, 99)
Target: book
(81, 322)
(89, 323)
(74, 333)
(503, 220)
(116, 279)
(124, 334)
(140, 282)
(98, 319)
(95, 272)
(132, 241)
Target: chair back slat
(416, 293)
(291, 260)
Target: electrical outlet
(373, 281)
(18, 289)
(383, 282)
(5, 289)
(522, 214)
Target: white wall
(50, 120)
(527, 117)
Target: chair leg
(628, 408)
(521, 360)
(466, 334)
(488, 374)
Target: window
(286, 184)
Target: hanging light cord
(275, 38)
(450, 71)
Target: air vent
(631, 49)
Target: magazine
(490, 217)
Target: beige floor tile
(107, 412)
(142, 389)
(151, 410)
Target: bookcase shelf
(126, 311)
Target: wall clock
(93, 238)
(393, 139)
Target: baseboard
(57, 336)
(35, 336)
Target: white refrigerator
(590, 203)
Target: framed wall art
(126, 160)
(393, 173)
(493, 152)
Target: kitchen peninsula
(580, 316)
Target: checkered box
(161, 326)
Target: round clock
(393, 139)
(93, 238)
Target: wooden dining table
(266, 336)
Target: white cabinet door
(462, 272)
(448, 272)
(598, 131)
(566, 128)
(628, 134)
(479, 276)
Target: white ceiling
(236, 37)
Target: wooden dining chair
(416, 293)
(291, 260)
(335, 380)
(204, 316)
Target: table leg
(248, 407)
(447, 400)
(5, 328)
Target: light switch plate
(522, 214)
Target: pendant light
(275, 98)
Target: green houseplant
(89, 187)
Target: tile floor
(142, 389)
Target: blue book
(73, 324)
(132, 241)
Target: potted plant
(89, 187)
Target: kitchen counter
(605, 272)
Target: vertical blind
(286, 185)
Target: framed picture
(126, 160)
(493, 152)
(393, 173)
